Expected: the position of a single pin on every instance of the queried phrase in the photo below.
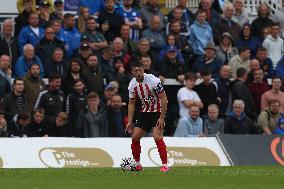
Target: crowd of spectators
(224, 59)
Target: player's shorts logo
(75, 157)
(186, 156)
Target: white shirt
(274, 49)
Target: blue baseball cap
(281, 120)
(171, 49)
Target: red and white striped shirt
(147, 92)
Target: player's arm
(131, 109)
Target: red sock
(162, 150)
(136, 150)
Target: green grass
(194, 177)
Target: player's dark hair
(136, 63)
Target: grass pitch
(190, 177)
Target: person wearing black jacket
(19, 127)
(51, 100)
(38, 124)
(60, 127)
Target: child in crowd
(213, 125)
(280, 127)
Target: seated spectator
(109, 91)
(32, 33)
(58, 13)
(84, 14)
(240, 61)
(280, 127)
(213, 125)
(143, 48)
(75, 102)
(265, 63)
(190, 125)
(238, 122)
(38, 124)
(8, 43)
(5, 67)
(33, 85)
(273, 93)
(105, 61)
(247, 39)
(105, 30)
(25, 61)
(267, 119)
(187, 97)
(200, 33)
(3, 125)
(117, 117)
(253, 65)
(16, 101)
(44, 13)
(258, 87)
(223, 82)
(208, 61)
(57, 64)
(240, 16)
(59, 33)
(93, 75)
(130, 45)
(83, 53)
(240, 91)
(148, 66)
(118, 52)
(92, 121)
(61, 127)
(19, 126)
(226, 50)
(207, 92)
(274, 44)
(226, 24)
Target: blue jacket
(280, 68)
(164, 52)
(27, 36)
(22, 66)
(278, 131)
(253, 44)
(214, 65)
(156, 38)
(200, 35)
(188, 127)
(73, 38)
(93, 6)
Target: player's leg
(162, 149)
(137, 134)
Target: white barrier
(106, 152)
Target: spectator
(117, 117)
(32, 33)
(144, 49)
(52, 99)
(226, 24)
(105, 60)
(44, 13)
(238, 122)
(155, 35)
(38, 124)
(240, 16)
(200, 33)
(265, 63)
(84, 14)
(240, 61)
(241, 92)
(3, 125)
(60, 127)
(97, 40)
(226, 50)
(25, 61)
(258, 87)
(147, 13)
(92, 121)
(5, 67)
(213, 125)
(73, 73)
(207, 92)
(280, 127)
(212, 17)
(130, 45)
(83, 53)
(58, 13)
(59, 33)
(273, 93)
(15, 101)
(267, 119)
(223, 82)
(274, 44)
(75, 102)
(247, 39)
(261, 21)
(280, 69)
(109, 91)
(24, 4)
(191, 125)
(93, 75)
(253, 65)
(33, 85)
(9, 44)
(19, 126)
(73, 35)
(148, 67)
(112, 16)
(104, 29)
(57, 64)
(187, 97)
(46, 47)
(132, 17)
(22, 19)
(208, 61)
(4, 86)
(95, 6)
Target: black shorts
(147, 120)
